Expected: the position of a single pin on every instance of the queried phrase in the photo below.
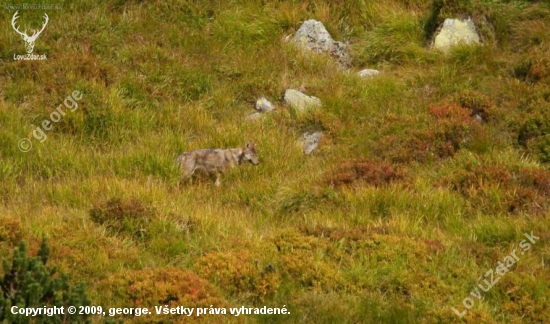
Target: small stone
(264, 105)
(368, 73)
(311, 141)
(300, 101)
(477, 118)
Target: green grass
(163, 77)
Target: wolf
(216, 160)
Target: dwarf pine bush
(30, 283)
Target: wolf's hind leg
(187, 173)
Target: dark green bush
(29, 282)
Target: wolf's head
(249, 154)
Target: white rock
(454, 32)
(263, 104)
(300, 101)
(477, 118)
(313, 35)
(311, 141)
(368, 73)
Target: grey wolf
(216, 160)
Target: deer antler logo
(29, 40)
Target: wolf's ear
(247, 145)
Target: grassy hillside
(396, 218)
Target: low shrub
(534, 135)
(363, 171)
(170, 287)
(496, 188)
(10, 231)
(126, 216)
(477, 103)
(442, 138)
(303, 260)
(240, 274)
(534, 67)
